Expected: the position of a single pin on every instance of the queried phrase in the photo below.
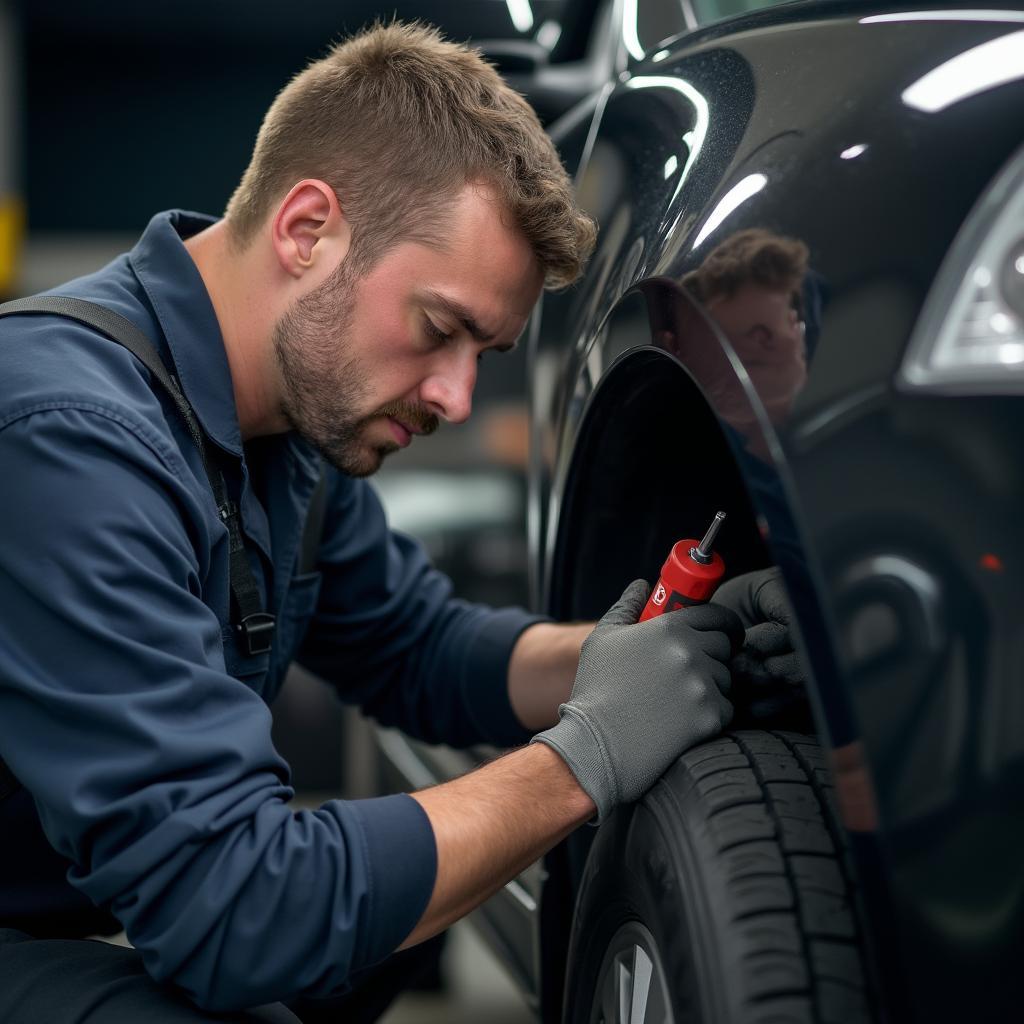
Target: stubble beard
(323, 385)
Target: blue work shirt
(139, 730)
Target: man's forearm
(541, 670)
(493, 823)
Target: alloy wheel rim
(631, 986)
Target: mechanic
(401, 213)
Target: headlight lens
(970, 338)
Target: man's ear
(309, 229)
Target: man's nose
(449, 392)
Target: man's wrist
(567, 786)
(541, 671)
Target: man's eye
(434, 331)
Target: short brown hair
(397, 121)
(752, 256)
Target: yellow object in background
(12, 231)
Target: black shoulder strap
(124, 332)
(255, 627)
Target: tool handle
(683, 581)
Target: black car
(806, 308)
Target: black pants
(80, 981)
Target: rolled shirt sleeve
(152, 768)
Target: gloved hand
(643, 694)
(767, 667)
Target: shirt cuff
(489, 706)
(401, 856)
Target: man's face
(765, 330)
(368, 362)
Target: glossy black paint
(880, 504)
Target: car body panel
(810, 130)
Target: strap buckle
(256, 632)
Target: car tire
(722, 897)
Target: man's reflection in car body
(751, 285)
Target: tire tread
(742, 835)
(771, 817)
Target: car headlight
(970, 337)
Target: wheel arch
(650, 465)
(651, 461)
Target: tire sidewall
(641, 868)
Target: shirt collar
(183, 308)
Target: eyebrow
(459, 312)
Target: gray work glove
(643, 694)
(767, 670)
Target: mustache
(414, 416)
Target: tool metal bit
(703, 552)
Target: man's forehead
(481, 242)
